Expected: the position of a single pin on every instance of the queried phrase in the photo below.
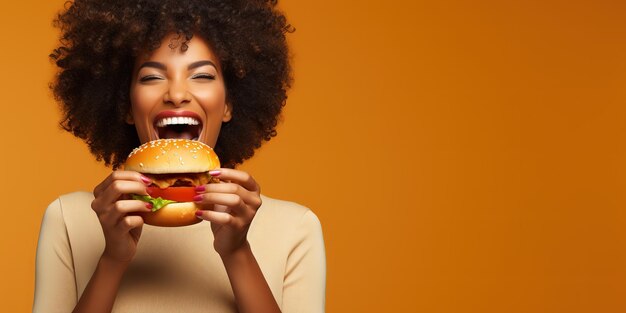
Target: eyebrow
(191, 66)
(157, 65)
(200, 63)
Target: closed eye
(203, 76)
(149, 78)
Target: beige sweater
(176, 269)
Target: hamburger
(175, 167)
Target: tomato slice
(180, 194)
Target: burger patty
(181, 179)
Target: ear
(227, 113)
(129, 118)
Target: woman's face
(177, 94)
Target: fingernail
(149, 205)
(200, 188)
(198, 214)
(215, 173)
(197, 198)
(146, 180)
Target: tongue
(169, 133)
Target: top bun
(169, 156)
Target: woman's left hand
(230, 206)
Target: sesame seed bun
(170, 156)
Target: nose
(177, 94)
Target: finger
(120, 175)
(124, 207)
(119, 209)
(240, 177)
(130, 222)
(248, 197)
(136, 232)
(228, 203)
(220, 218)
(120, 187)
(221, 208)
(232, 201)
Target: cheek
(211, 99)
(141, 97)
(142, 101)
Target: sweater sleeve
(304, 285)
(55, 286)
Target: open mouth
(178, 127)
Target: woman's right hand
(112, 205)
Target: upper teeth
(177, 121)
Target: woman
(121, 64)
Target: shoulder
(282, 219)
(282, 210)
(74, 209)
(67, 205)
(283, 229)
(72, 206)
(77, 197)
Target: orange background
(463, 156)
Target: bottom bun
(172, 215)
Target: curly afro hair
(100, 40)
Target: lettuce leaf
(157, 203)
